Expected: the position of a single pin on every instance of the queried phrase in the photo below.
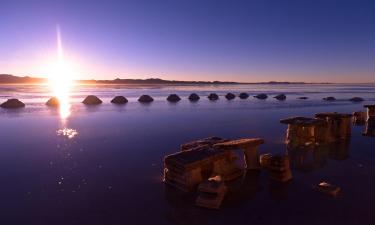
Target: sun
(60, 79)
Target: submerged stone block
(250, 148)
(359, 118)
(185, 170)
(211, 193)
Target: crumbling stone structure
(326, 128)
(370, 121)
(199, 160)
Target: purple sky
(263, 40)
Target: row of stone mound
(94, 100)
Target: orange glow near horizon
(60, 79)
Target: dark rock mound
(213, 97)
(194, 97)
(303, 98)
(243, 95)
(173, 98)
(119, 100)
(53, 102)
(12, 103)
(329, 99)
(92, 100)
(357, 99)
(280, 97)
(261, 96)
(145, 99)
(230, 96)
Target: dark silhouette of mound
(213, 97)
(53, 102)
(303, 98)
(280, 97)
(12, 103)
(357, 99)
(92, 100)
(145, 99)
(194, 97)
(243, 95)
(329, 99)
(173, 98)
(230, 96)
(119, 100)
(261, 96)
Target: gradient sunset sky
(263, 40)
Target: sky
(232, 40)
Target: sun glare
(60, 77)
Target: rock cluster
(173, 98)
(213, 97)
(194, 97)
(119, 100)
(145, 99)
(329, 98)
(357, 99)
(280, 97)
(243, 95)
(92, 100)
(53, 102)
(12, 103)
(230, 96)
(261, 96)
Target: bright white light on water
(60, 77)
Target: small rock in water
(329, 99)
(92, 100)
(261, 96)
(173, 98)
(53, 102)
(303, 98)
(357, 99)
(12, 103)
(145, 99)
(119, 100)
(280, 97)
(213, 97)
(194, 97)
(243, 95)
(230, 96)
(328, 189)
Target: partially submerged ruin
(370, 121)
(325, 128)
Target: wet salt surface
(110, 172)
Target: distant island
(11, 79)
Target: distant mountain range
(11, 79)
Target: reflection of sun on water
(60, 78)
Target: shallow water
(103, 164)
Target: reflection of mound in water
(308, 159)
(316, 157)
(279, 190)
(182, 209)
(242, 190)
